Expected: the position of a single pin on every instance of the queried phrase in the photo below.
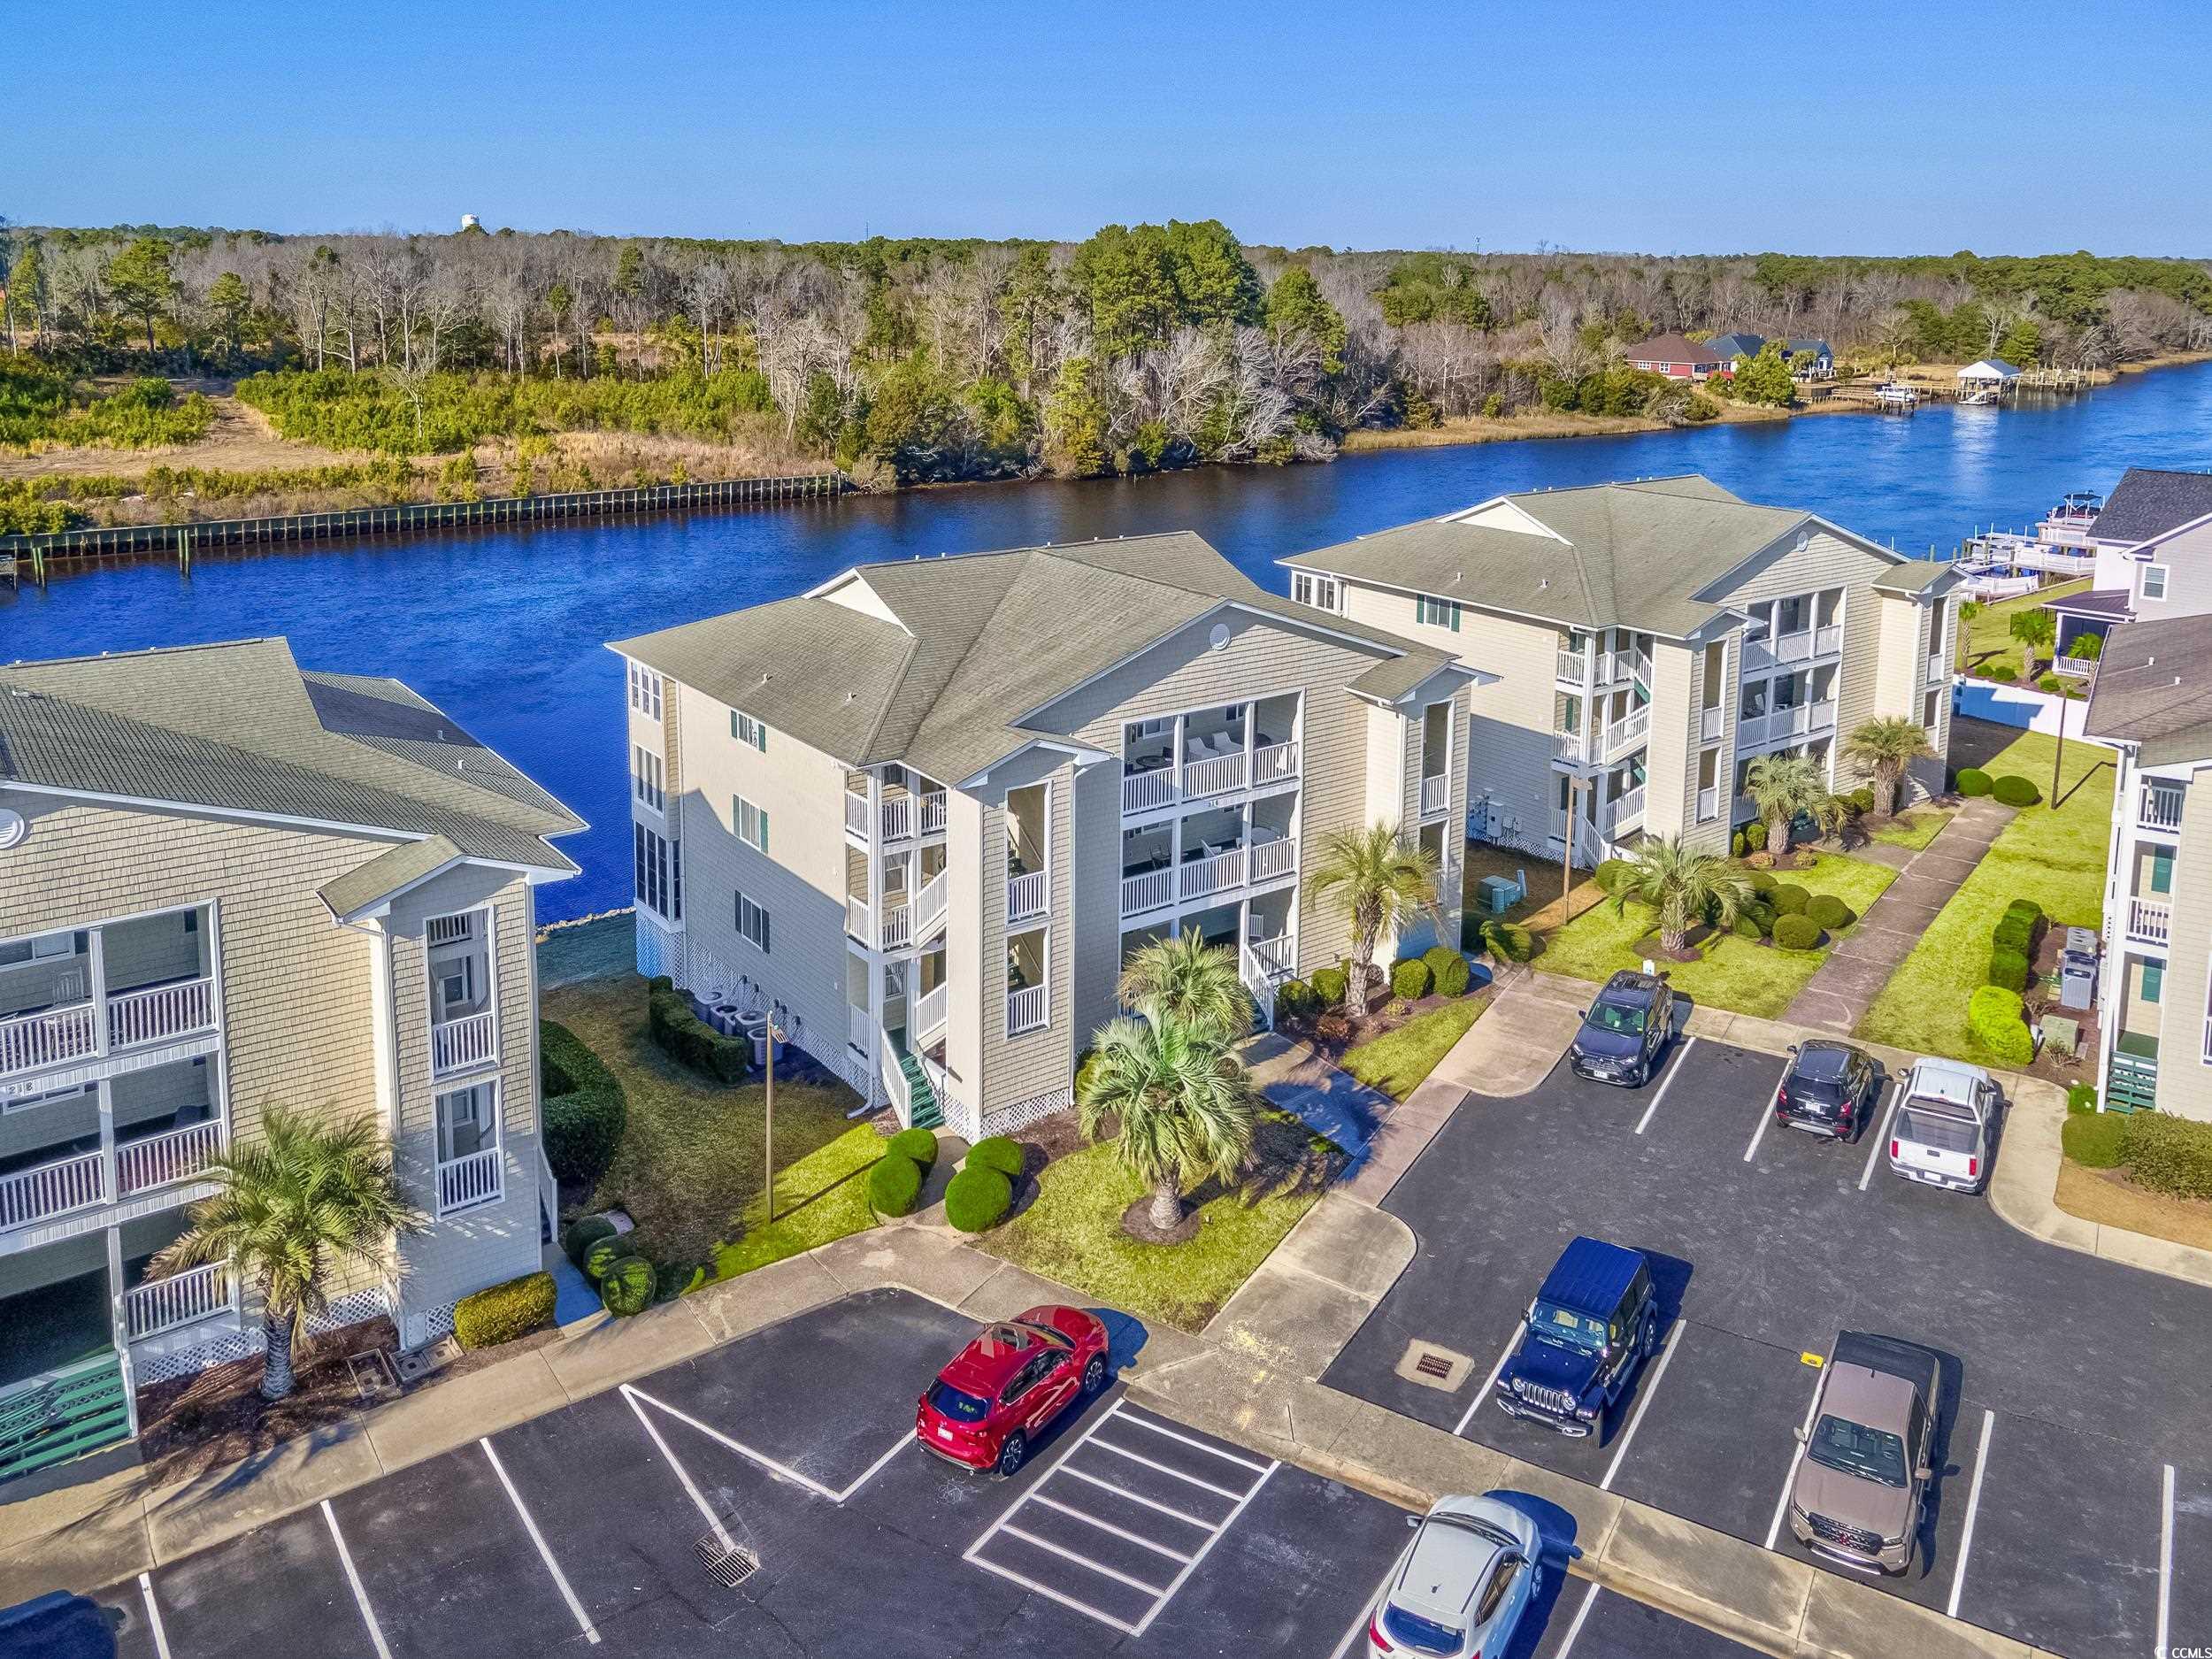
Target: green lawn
(822, 1196)
(1915, 828)
(1397, 1062)
(1734, 974)
(1988, 639)
(690, 1161)
(2055, 858)
(1073, 1234)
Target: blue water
(503, 629)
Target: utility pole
(768, 1117)
(1567, 853)
(2058, 755)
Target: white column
(96, 984)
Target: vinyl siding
(1670, 751)
(2188, 560)
(1017, 1069)
(2185, 1081)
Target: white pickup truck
(1943, 1129)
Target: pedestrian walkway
(1328, 1100)
(1836, 998)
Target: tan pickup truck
(1860, 1491)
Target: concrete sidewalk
(1836, 998)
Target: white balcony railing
(1709, 725)
(1619, 668)
(1570, 745)
(898, 817)
(449, 930)
(1938, 671)
(1821, 716)
(857, 920)
(157, 1160)
(465, 1183)
(1278, 957)
(929, 906)
(1572, 667)
(1202, 876)
(30, 1042)
(1026, 1010)
(860, 1029)
(1709, 804)
(53, 1189)
(1828, 641)
(1148, 890)
(898, 923)
(929, 1011)
(856, 813)
(1436, 793)
(1620, 816)
(1623, 736)
(2159, 806)
(1792, 648)
(1143, 791)
(933, 813)
(1027, 894)
(1273, 859)
(456, 1045)
(1272, 763)
(1216, 774)
(182, 1299)
(2149, 921)
(2073, 668)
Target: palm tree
(1781, 786)
(1186, 979)
(308, 1199)
(1376, 881)
(1184, 1102)
(1884, 748)
(1685, 885)
(2034, 629)
(1968, 609)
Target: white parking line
(1231, 1457)
(353, 1577)
(1488, 1383)
(1135, 1497)
(1081, 1559)
(1766, 1114)
(2166, 1564)
(1649, 1386)
(1874, 1152)
(1574, 1629)
(1681, 1059)
(1139, 1457)
(1973, 1504)
(1122, 1533)
(782, 1470)
(153, 1616)
(1367, 1612)
(698, 1498)
(529, 1526)
(1789, 1481)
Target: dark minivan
(1594, 1322)
(1624, 1030)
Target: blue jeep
(1591, 1324)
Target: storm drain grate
(731, 1564)
(1433, 1366)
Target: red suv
(1003, 1389)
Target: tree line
(1144, 346)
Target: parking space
(2081, 1378)
(1589, 1623)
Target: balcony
(2158, 807)
(1436, 795)
(902, 814)
(463, 1043)
(898, 922)
(1617, 818)
(1708, 804)
(88, 1180)
(1709, 725)
(173, 1156)
(1211, 873)
(859, 923)
(929, 1012)
(2074, 667)
(1573, 669)
(1783, 726)
(1622, 668)
(182, 1299)
(1028, 894)
(52, 1190)
(1271, 860)
(1624, 737)
(1027, 1008)
(1148, 890)
(55, 1036)
(464, 1183)
(2150, 921)
(1938, 671)
(1216, 774)
(1274, 763)
(1570, 747)
(933, 813)
(930, 905)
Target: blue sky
(1864, 128)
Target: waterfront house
(1678, 359)
(923, 812)
(1729, 346)
(228, 884)
(1643, 643)
(2152, 539)
(2152, 705)
(1822, 365)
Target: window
(660, 874)
(2153, 581)
(752, 823)
(745, 729)
(646, 778)
(1440, 613)
(1716, 675)
(1321, 591)
(2153, 982)
(752, 922)
(645, 692)
(468, 1122)
(1932, 709)
(456, 984)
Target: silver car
(1941, 1132)
(1463, 1585)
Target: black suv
(1830, 1089)
(1623, 1031)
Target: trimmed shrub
(672, 1279)
(599, 1260)
(2012, 934)
(2047, 683)
(1738, 846)
(628, 1285)
(1294, 999)
(1797, 932)
(690, 1040)
(2012, 790)
(1999, 671)
(583, 1105)
(1610, 873)
(659, 982)
(1002, 1153)
(1411, 979)
(918, 1144)
(2168, 1155)
(1764, 881)
(894, 1182)
(1830, 912)
(1789, 899)
(2082, 1097)
(1862, 798)
(1746, 928)
(1087, 1063)
(977, 1199)
(1754, 836)
(1329, 984)
(1996, 1016)
(2008, 968)
(1972, 781)
(581, 1235)
(2092, 1140)
(1761, 916)
(1507, 941)
(503, 1312)
(1448, 972)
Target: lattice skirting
(419, 1327)
(1005, 1120)
(222, 1347)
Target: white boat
(1897, 395)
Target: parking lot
(2073, 1503)
(631, 1523)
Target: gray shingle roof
(2153, 687)
(1632, 556)
(366, 886)
(981, 641)
(2104, 602)
(239, 727)
(1735, 345)
(2149, 501)
(1916, 576)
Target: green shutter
(760, 736)
(734, 732)
(762, 812)
(2153, 982)
(2162, 870)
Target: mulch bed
(1136, 1221)
(1329, 1035)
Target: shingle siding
(2184, 1080)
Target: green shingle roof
(1916, 576)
